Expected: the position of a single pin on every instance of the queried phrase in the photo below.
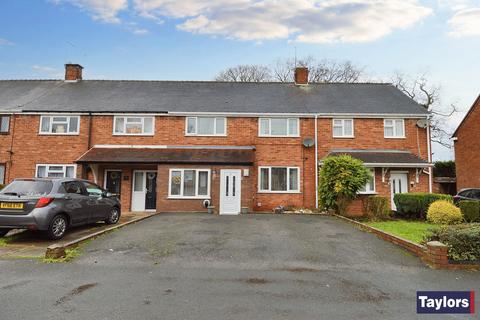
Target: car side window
(73, 187)
(466, 193)
(93, 190)
(476, 194)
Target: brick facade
(467, 144)
(30, 148)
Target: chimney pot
(301, 75)
(73, 72)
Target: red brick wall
(30, 148)
(467, 146)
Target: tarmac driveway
(195, 266)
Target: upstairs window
(55, 171)
(343, 128)
(4, 124)
(370, 185)
(133, 125)
(394, 128)
(206, 126)
(279, 179)
(278, 127)
(59, 124)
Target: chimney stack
(73, 72)
(301, 76)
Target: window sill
(189, 198)
(395, 137)
(261, 136)
(205, 135)
(58, 134)
(343, 137)
(367, 193)
(279, 192)
(134, 134)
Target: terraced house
(171, 145)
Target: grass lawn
(410, 230)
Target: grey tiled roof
(204, 96)
(375, 156)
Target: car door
(98, 205)
(75, 202)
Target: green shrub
(416, 204)
(444, 212)
(463, 241)
(470, 210)
(341, 177)
(376, 208)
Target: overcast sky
(195, 39)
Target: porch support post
(94, 168)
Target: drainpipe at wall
(430, 182)
(10, 160)
(316, 163)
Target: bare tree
(428, 96)
(245, 73)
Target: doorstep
(29, 244)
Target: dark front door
(114, 183)
(151, 192)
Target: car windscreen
(28, 188)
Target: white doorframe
(139, 197)
(230, 208)
(397, 173)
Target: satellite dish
(308, 142)
(422, 123)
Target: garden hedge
(470, 210)
(463, 241)
(376, 208)
(416, 205)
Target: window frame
(197, 181)
(64, 167)
(343, 128)
(124, 133)
(51, 116)
(269, 135)
(260, 190)
(196, 134)
(374, 191)
(1, 121)
(395, 136)
(2, 179)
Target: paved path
(31, 244)
(187, 266)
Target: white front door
(230, 191)
(144, 190)
(398, 184)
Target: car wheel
(113, 216)
(3, 232)
(58, 227)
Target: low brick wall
(434, 254)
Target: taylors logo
(445, 302)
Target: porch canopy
(165, 155)
(384, 158)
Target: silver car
(54, 205)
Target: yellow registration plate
(11, 205)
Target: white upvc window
(189, 184)
(278, 127)
(394, 128)
(56, 171)
(133, 125)
(343, 128)
(4, 123)
(206, 126)
(279, 179)
(369, 187)
(59, 124)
